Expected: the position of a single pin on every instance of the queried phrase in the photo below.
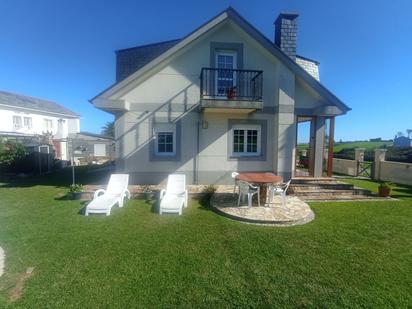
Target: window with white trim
(165, 139)
(17, 122)
(99, 150)
(246, 140)
(225, 79)
(48, 124)
(28, 122)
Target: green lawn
(367, 145)
(351, 255)
(351, 145)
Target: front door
(225, 76)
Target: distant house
(91, 148)
(378, 139)
(402, 142)
(24, 117)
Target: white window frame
(47, 120)
(225, 53)
(165, 128)
(28, 122)
(245, 128)
(98, 152)
(17, 124)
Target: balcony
(231, 90)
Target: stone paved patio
(296, 211)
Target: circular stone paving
(296, 211)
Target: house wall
(171, 94)
(38, 127)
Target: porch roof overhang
(112, 106)
(323, 110)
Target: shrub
(206, 194)
(10, 152)
(76, 188)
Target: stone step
(322, 198)
(328, 192)
(316, 187)
(308, 181)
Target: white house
(28, 116)
(224, 98)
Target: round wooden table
(260, 179)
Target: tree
(108, 129)
(409, 132)
(399, 134)
(10, 151)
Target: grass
(351, 145)
(367, 145)
(353, 254)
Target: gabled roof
(234, 16)
(34, 104)
(129, 60)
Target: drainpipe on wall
(196, 157)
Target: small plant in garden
(206, 195)
(146, 189)
(76, 188)
(385, 189)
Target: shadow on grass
(82, 211)
(63, 178)
(402, 191)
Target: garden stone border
(300, 219)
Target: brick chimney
(286, 28)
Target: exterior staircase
(327, 189)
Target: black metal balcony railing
(229, 84)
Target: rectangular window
(27, 121)
(226, 77)
(99, 150)
(165, 143)
(48, 124)
(17, 122)
(246, 140)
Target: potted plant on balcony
(385, 189)
(231, 93)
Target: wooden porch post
(331, 141)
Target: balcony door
(225, 76)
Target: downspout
(196, 158)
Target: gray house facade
(222, 99)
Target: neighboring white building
(24, 115)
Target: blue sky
(64, 50)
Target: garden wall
(343, 166)
(396, 172)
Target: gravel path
(1, 261)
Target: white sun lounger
(104, 200)
(175, 197)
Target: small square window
(165, 143)
(246, 140)
(48, 124)
(17, 122)
(28, 124)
